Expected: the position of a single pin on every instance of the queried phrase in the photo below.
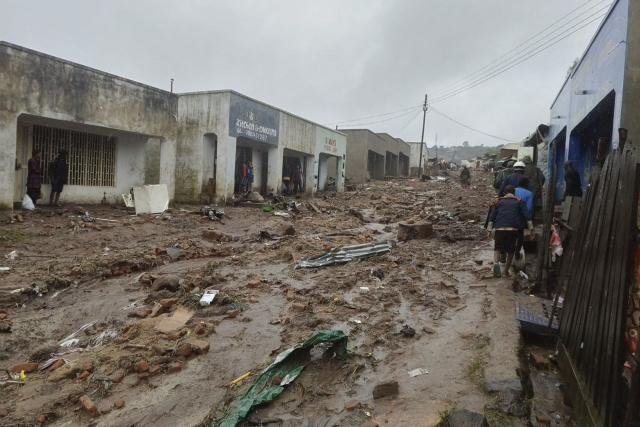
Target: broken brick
(89, 406)
(429, 330)
(4, 412)
(168, 302)
(56, 365)
(184, 350)
(154, 370)
(118, 376)
(291, 295)
(3, 316)
(539, 361)
(543, 419)
(174, 367)
(118, 404)
(142, 366)
(200, 346)
(84, 375)
(42, 418)
(232, 313)
(27, 367)
(253, 283)
(351, 405)
(299, 306)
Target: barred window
(91, 158)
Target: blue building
(600, 95)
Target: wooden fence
(596, 274)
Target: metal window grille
(91, 158)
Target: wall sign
(252, 120)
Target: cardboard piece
(151, 198)
(175, 322)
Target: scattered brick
(429, 330)
(118, 376)
(154, 370)
(276, 380)
(253, 283)
(468, 334)
(89, 406)
(299, 306)
(184, 350)
(543, 419)
(118, 404)
(84, 375)
(232, 313)
(174, 367)
(351, 405)
(56, 365)
(42, 418)
(27, 367)
(142, 366)
(539, 361)
(168, 302)
(200, 346)
(291, 294)
(4, 412)
(3, 316)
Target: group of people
(519, 188)
(244, 175)
(58, 175)
(291, 175)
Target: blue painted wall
(600, 73)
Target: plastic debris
(417, 372)
(208, 297)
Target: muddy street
(103, 317)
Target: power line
(447, 88)
(509, 66)
(371, 117)
(381, 121)
(409, 122)
(467, 126)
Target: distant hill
(456, 154)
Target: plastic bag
(27, 203)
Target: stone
(253, 283)
(298, 306)
(199, 346)
(421, 230)
(89, 406)
(157, 309)
(174, 367)
(4, 412)
(385, 390)
(3, 316)
(140, 314)
(68, 370)
(467, 334)
(199, 329)
(497, 386)
(291, 294)
(543, 419)
(84, 375)
(213, 234)
(154, 370)
(429, 330)
(351, 405)
(168, 302)
(184, 350)
(232, 313)
(289, 231)
(370, 424)
(118, 376)
(539, 361)
(42, 418)
(142, 366)
(511, 402)
(27, 367)
(465, 418)
(118, 404)
(170, 283)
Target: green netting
(263, 390)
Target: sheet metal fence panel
(345, 254)
(597, 270)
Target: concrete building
(509, 150)
(414, 157)
(601, 95)
(375, 156)
(120, 134)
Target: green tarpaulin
(263, 390)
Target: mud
(103, 271)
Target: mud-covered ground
(125, 279)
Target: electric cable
(409, 122)
(381, 121)
(372, 117)
(467, 126)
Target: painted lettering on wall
(252, 120)
(330, 145)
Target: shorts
(506, 241)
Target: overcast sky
(328, 61)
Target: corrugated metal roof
(345, 254)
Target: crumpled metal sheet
(345, 254)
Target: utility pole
(424, 118)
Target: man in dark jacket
(34, 176)
(536, 180)
(502, 175)
(573, 183)
(508, 216)
(513, 179)
(58, 172)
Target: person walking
(508, 216)
(297, 180)
(465, 177)
(573, 183)
(523, 193)
(58, 172)
(34, 176)
(513, 179)
(536, 182)
(502, 175)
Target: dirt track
(104, 271)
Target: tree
(465, 144)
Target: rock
(370, 424)
(212, 234)
(467, 334)
(291, 294)
(42, 418)
(253, 283)
(168, 302)
(3, 316)
(118, 404)
(118, 376)
(174, 253)
(377, 272)
(511, 402)
(276, 380)
(464, 418)
(154, 370)
(414, 231)
(68, 370)
(89, 406)
(84, 375)
(289, 231)
(199, 329)
(141, 314)
(142, 366)
(4, 412)
(539, 361)
(5, 326)
(174, 367)
(429, 330)
(232, 313)
(199, 346)
(166, 282)
(385, 390)
(184, 350)
(297, 306)
(351, 405)
(252, 196)
(27, 367)
(543, 419)
(157, 309)
(496, 386)
(467, 216)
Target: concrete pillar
(631, 101)
(340, 165)
(322, 172)
(274, 174)
(152, 150)
(309, 177)
(168, 166)
(226, 168)
(8, 137)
